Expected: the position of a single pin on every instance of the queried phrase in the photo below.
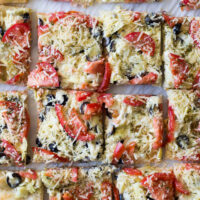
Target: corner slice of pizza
(187, 181)
(78, 183)
(133, 46)
(23, 185)
(183, 137)
(15, 35)
(70, 53)
(181, 52)
(14, 127)
(133, 128)
(69, 126)
(189, 4)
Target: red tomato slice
(171, 124)
(119, 150)
(43, 29)
(81, 95)
(189, 166)
(106, 78)
(17, 34)
(92, 109)
(106, 190)
(11, 152)
(47, 152)
(116, 193)
(132, 172)
(158, 131)
(150, 78)
(196, 83)
(194, 31)
(107, 99)
(95, 67)
(130, 148)
(74, 126)
(171, 21)
(142, 41)
(160, 185)
(74, 174)
(133, 101)
(22, 58)
(179, 68)
(67, 196)
(193, 4)
(136, 16)
(31, 174)
(16, 79)
(44, 75)
(54, 17)
(26, 125)
(85, 193)
(180, 187)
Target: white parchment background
(171, 6)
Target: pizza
(12, 1)
(189, 4)
(183, 137)
(14, 127)
(133, 128)
(23, 185)
(181, 52)
(159, 183)
(132, 41)
(70, 53)
(15, 36)
(78, 183)
(70, 126)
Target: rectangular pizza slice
(69, 126)
(189, 4)
(78, 183)
(181, 52)
(20, 185)
(70, 52)
(133, 129)
(14, 127)
(133, 45)
(15, 37)
(183, 125)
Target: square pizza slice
(183, 136)
(189, 4)
(133, 128)
(23, 185)
(15, 46)
(181, 52)
(69, 126)
(133, 45)
(78, 183)
(14, 127)
(70, 52)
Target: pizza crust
(13, 1)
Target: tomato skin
(106, 78)
(119, 150)
(42, 29)
(142, 41)
(196, 83)
(107, 99)
(136, 16)
(158, 129)
(47, 152)
(67, 196)
(56, 16)
(95, 67)
(189, 166)
(132, 172)
(106, 190)
(130, 148)
(171, 21)
(82, 95)
(180, 188)
(92, 109)
(31, 174)
(132, 101)
(16, 79)
(171, 124)
(74, 174)
(150, 78)
(194, 29)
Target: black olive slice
(40, 22)
(14, 181)
(1, 31)
(28, 159)
(112, 46)
(64, 100)
(153, 19)
(50, 100)
(108, 114)
(106, 41)
(83, 106)
(182, 141)
(112, 131)
(177, 28)
(37, 141)
(53, 147)
(121, 197)
(26, 17)
(2, 154)
(149, 198)
(41, 116)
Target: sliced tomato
(194, 31)
(106, 190)
(67, 196)
(160, 185)
(134, 101)
(22, 57)
(11, 152)
(158, 131)
(81, 95)
(31, 174)
(18, 34)
(25, 126)
(107, 99)
(51, 55)
(171, 124)
(44, 75)
(179, 68)
(85, 193)
(196, 83)
(119, 150)
(171, 21)
(189, 166)
(74, 174)
(142, 41)
(40, 151)
(16, 79)
(43, 29)
(74, 126)
(149, 78)
(54, 17)
(136, 16)
(116, 193)
(132, 172)
(130, 148)
(106, 78)
(180, 187)
(189, 4)
(95, 67)
(92, 109)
